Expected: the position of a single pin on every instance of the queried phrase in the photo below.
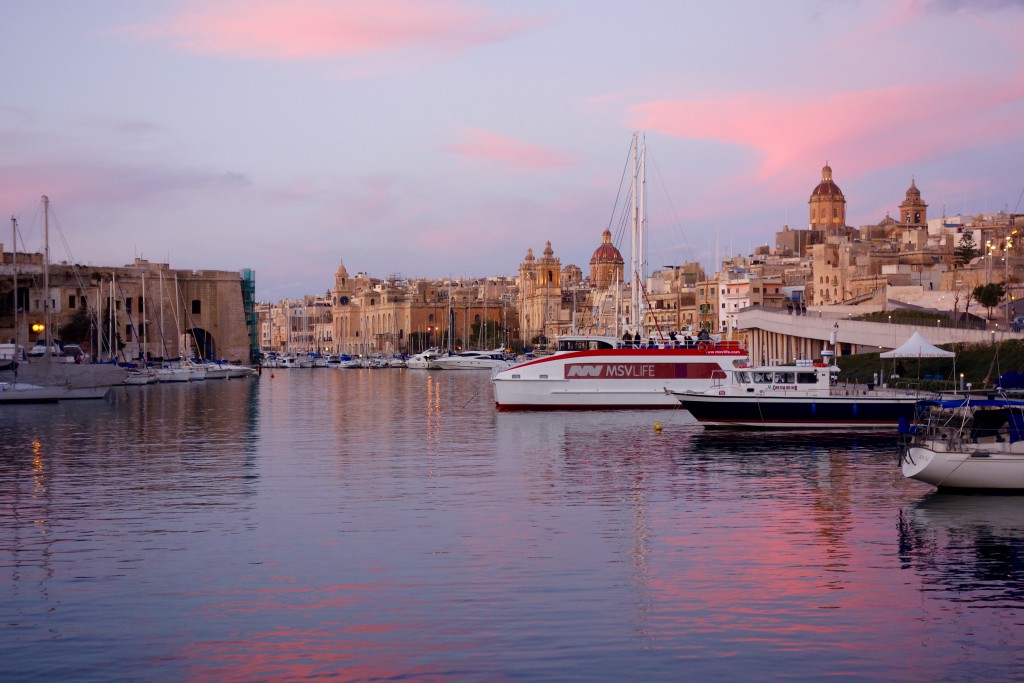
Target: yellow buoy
(657, 427)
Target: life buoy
(702, 346)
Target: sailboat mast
(634, 297)
(14, 266)
(142, 315)
(47, 332)
(641, 232)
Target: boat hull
(999, 467)
(18, 392)
(604, 380)
(81, 381)
(799, 412)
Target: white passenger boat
(591, 372)
(967, 443)
(473, 360)
(802, 396)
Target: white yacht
(473, 360)
(422, 360)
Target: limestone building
(139, 310)
(827, 205)
(913, 211)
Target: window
(196, 307)
(128, 305)
(128, 331)
(71, 301)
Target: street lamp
(38, 327)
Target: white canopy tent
(917, 347)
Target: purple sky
(432, 137)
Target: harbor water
(391, 525)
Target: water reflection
(390, 524)
(968, 547)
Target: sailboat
(49, 368)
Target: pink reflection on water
(344, 646)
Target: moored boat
(423, 359)
(802, 396)
(472, 360)
(594, 372)
(967, 443)
(20, 392)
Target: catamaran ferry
(593, 372)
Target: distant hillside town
(965, 271)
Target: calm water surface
(389, 524)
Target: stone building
(394, 316)
(913, 211)
(606, 265)
(139, 310)
(827, 205)
(540, 296)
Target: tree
(965, 250)
(989, 295)
(76, 330)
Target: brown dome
(826, 188)
(606, 253)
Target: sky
(436, 138)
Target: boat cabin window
(762, 377)
(742, 377)
(806, 378)
(582, 345)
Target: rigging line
(618, 196)
(671, 206)
(1018, 201)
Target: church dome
(912, 191)
(827, 187)
(606, 253)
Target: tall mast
(14, 265)
(638, 191)
(47, 333)
(634, 297)
(142, 321)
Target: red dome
(606, 253)
(826, 188)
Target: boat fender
(721, 393)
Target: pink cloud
(502, 150)
(866, 128)
(325, 29)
